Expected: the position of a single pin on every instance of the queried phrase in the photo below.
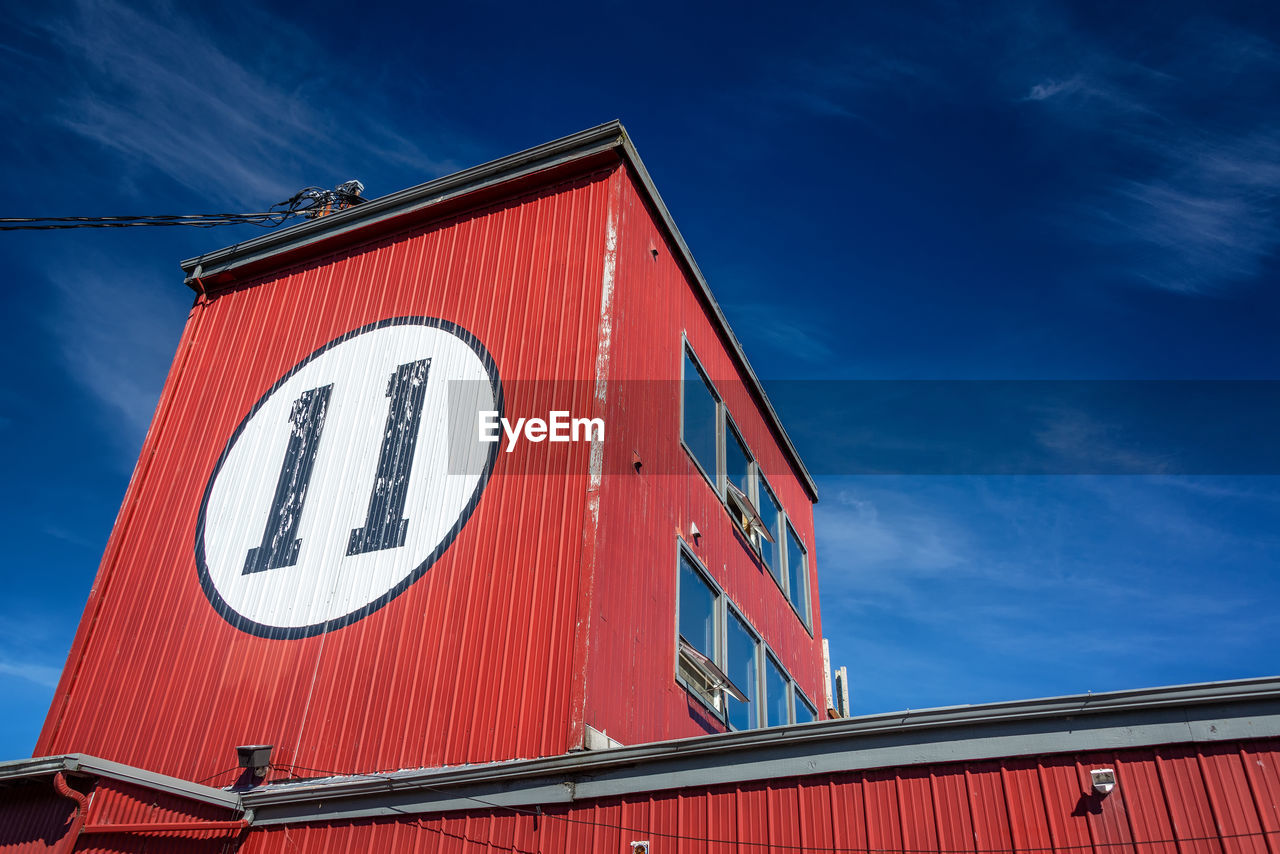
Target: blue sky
(1017, 191)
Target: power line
(310, 202)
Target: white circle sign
(348, 479)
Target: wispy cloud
(1015, 584)
(39, 674)
(1175, 178)
(1189, 192)
(787, 337)
(116, 334)
(243, 115)
(1051, 88)
(28, 651)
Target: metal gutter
(79, 763)
(1209, 712)
(611, 136)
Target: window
(717, 447)
(742, 656)
(771, 516)
(697, 609)
(797, 574)
(699, 417)
(737, 460)
(805, 712)
(722, 661)
(777, 701)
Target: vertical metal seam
(968, 792)
(1168, 806)
(1007, 808)
(1272, 844)
(1128, 813)
(1214, 810)
(1044, 804)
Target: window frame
(683, 553)
(788, 687)
(687, 352)
(724, 608)
(776, 572)
(799, 696)
(806, 613)
(732, 611)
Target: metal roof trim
(1207, 712)
(80, 763)
(605, 137)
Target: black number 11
(385, 526)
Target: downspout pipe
(68, 842)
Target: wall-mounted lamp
(640, 847)
(256, 757)
(694, 533)
(1104, 780)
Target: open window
(771, 518)
(701, 648)
(741, 485)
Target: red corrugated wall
(1211, 799)
(632, 692)
(473, 661)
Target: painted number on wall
(338, 490)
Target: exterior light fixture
(1104, 780)
(256, 757)
(640, 847)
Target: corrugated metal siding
(632, 692)
(33, 817)
(472, 662)
(115, 802)
(999, 807)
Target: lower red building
(1187, 770)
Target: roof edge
(79, 763)
(601, 138)
(1199, 713)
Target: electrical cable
(828, 848)
(217, 774)
(310, 202)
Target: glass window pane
(798, 574)
(804, 712)
(771, 515)
(737, 463)
(699, 427)
(777, 703)
(740, 666)
(697, 610)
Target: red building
(453, 643)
